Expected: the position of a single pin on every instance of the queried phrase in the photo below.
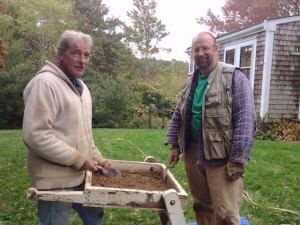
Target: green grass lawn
(272, 190)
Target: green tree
(30, 29)
(109, 54)
(172, 75)
(153, 100)
(42, 22)
(146, 31)
(2, 45)
(113, 100)
(238, 14)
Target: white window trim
(299, 110)
(237, 54)
(266, 78)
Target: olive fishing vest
(216, 113)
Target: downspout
(270, 29)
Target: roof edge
(268, 25)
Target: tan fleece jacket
(57, 130)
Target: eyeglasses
(204, 49)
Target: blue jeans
(59, 213)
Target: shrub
(287, 131)
(279, 131)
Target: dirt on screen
(140, 181)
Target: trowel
(111, 172)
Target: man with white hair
(57, 130)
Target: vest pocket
(213, 98)
(219, 145)
(217, 117)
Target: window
(245, 60)
(242, 55)
(229, 56)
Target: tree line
(123, 86)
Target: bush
(265, 135)
(287, 131)
(279, 131)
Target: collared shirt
(75, 81)
(77, 84)
(244, 121)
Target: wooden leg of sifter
(174, 210)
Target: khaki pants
(217, 201)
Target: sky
(179, 16)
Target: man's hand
(107, 164)
(89, 165)
(234, 170)
(174, 156)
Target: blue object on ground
(244, 221)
